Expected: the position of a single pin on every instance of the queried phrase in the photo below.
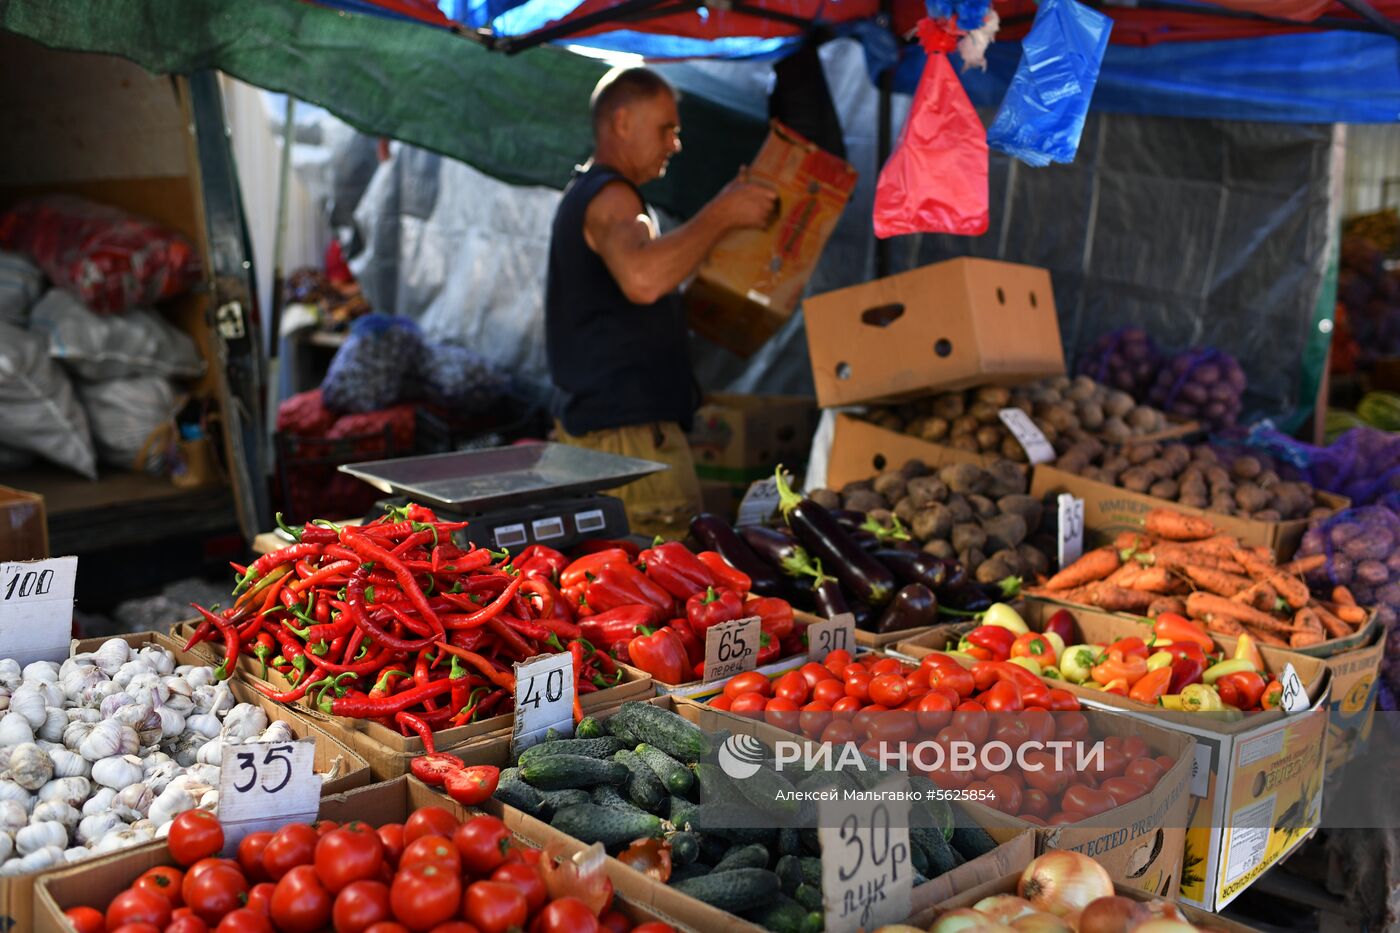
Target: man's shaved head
(622, 87)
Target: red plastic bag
(936, 179)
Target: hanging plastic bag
(1042, 115)
(936, 179)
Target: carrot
(1220, 545)
(1210, 606)
(1268, 638)
(1304, 565)
(1223, 626)
(1293, 590)
(1117, 599)
(1151, 580)
(1175, 526)
(1342, 596)
(1125, 575)
(1336, 628)
(1166, 604)
(1179, 555)
(1307, 620)
(1216, 581)
(1095, 565)
(1261, 596)
(1131, 541)
(1255, 566)
(1304, 639)
(1352, 615)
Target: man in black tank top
(615, 331)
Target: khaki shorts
(663, 503)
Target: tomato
(566, 915)
(1062, 818)
(837, 661)
(215, 891)
(471, 786)
(391, 834)
(199, 868)
(782, 713)
(494, 907)
(1087, 801)
(1124, 790)
(828, 691)
(348, 855)
(863, 720)
(846, 708)
(1033, 819)
(1041, 774)
(387, 926)
(655, 926)
(615, 922)
(749, 704)
(1134, 746)
(815, 716)
(838, 731)
(1011, 729)
(482, 842)
(894, 726)
(814, 674)
(1062, 701)
(244, 920)
(887, 666)
(195, 834)
(1002, 697)
(429, 821)
(889, 690)
(1145, 771)
(1071, 727)
(1035, 803)
(165, 881)
(1040, 723)
(183, 921)
(301, 904)
(1113, 764)
(934, 711)
(434, 769)
(748, 682)
(792, 686)
(858, 686)
(437, 849)
(359, 905)
(455, 926)
(136, 928)
(1008, 793)
(260, 898)
(971, 717)
(1166, 761)
(250, 853)
(917, 678)
(527, 881)
(957, 679)
(86, 919)
(292, 845)
(721, 702)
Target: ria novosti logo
(741, 756)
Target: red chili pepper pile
(392, 622)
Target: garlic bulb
(276, 732)
(158, 778)
(93, 828)
(198, 677)
(84, 715)
(30, 766)
(186, 748)
(100, 692)
(69, 764)
(149, 686)
(180, 704)
(129, 672)
(9, 790)
(45, 672)
(71, 790)
(211, 752)
(52, 693)
(171, 722)
(136, 796)
(117, 771)
(74, 661)
(205, 724)
(7, 845)
(13, 816)
(75, 734)
(47, 857)
(123, 839)
(111, 655)
(202, 774)
(158, 659)
(76, 854)
(79, 680)
(15, 728)
(57, 811)
(209, 800)
(99, 801)
(54, 724)
(29, 702)
(36, 836)
(179, 686)
(173, 801)
(10, 673)
(108, 738)
(244, 721)
(111, 705)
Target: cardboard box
(950, 325)
(1109, 510)
(96, 882)
(1355, 685)
(752, 280)
(860, 450)
(1017, 846)
(24, 528)
(389, 753)
(737, 439)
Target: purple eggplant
(862, 575)
(866, 616)
(866, 541)
(778, 550)
(914, 606)
(915, 567)
(716, 534)
(828, 601)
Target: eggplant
(716, 534)
(865, 616)
(848, 518)
(828, 598)
(866, 541)
(915, 567)
(914, 606)
(861, 574)
(781, 552)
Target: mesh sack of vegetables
(375, 367)
(1202, 383)
(1362, 547)
(1126, 359)
(305, 415)
(38, 410)
(462, 380)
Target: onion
(1004, 908)
(1064, 882)
(1113, 915)
(1041, 922)
(1165, 926)
(966, 920)
(1163, 910)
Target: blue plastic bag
(1042, 116)
(376, 367)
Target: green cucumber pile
(643, 774)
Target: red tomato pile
(429, 874)
(879, 701)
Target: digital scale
(513, 496)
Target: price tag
(1294, 698)
(835, 634)
(867, 872)
(1037, 448)
(36, 609)
(759, 503)
(264, 786)
(732, 648)
(544, 699)
(1071, 533)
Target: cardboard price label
(36, 609)
(1070, 546)
(544, 699)
(1032, 441)
(264, 786)
(732, 648)
(1294, 698)
(835, 634)
(867, 871)
(758, 503)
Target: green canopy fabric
(521, 119)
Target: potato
(1090, 414)
(905, 510)
(964, 478)
(882, 517)
(1035, 562)
(1052, 434)
(1364, 595)
(888, 420)
(1082, 388)
(856, 485)
(1267, 479)
(967, 442)
(1205, 453)
(1342, 532)
(999, 566)
(1164, 488)
(1321, 511)
(965, 426)
(1056, 383)
(1136, 479)
(1073, 462)
(1197, 500)
(1267, 515)
(1250, 498)
(1028, 507)
(934, 521)
(972, 559)
(995, 396)
(1059, 417)
(1222, 504)
(989, 437)
(1373, 544)
(1217, 476)
(932, 429)
(825, 498)
(940, 549)
(1005, 478)
(1246, 467)
(1146, 420)
(1116, 464)
(890, 484)
(1177, 455)
(949, 406)
(1011, 449)
(1118, 404)
(982, 507)
(1139, 454)
(984, 413)
(1160, 469)
(1116, 430)
(926, 490)
(967, 536)
(1005, 531)
(864, 501)
(1025, 405)
(913, 468)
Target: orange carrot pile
(1182, 564)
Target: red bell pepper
(1248, 686)
(541, 559)
(712, 607)
(1178, 629)
(624, 585)
(586, 568)
(616, 626)
(725, 575)
(677, 571)
(1151, 686)
(1131, 647)
(1272, 697)
(1229, 692)
(794, 643)
(769, 648)
(1117, 666)
(694, 644)
(774, 614)
(988, 643)
(1062, 624)
(660, 654)
(598, 545)
(1185, 671)
(1187, 650)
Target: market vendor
(615, 329)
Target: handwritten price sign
(544, 699)
(732, 648)
(263, 786)
(867, 869)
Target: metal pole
(279, 238)
(884, 140)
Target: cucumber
(685, 848)
(513, 791)
(784, 915)
(930, 811)
(712, 847)
(682, 812)
(789, 872)
(789, 842)
(713, 785)
(607, 795)
(815, 922)
(918, 858)
(605, 747)
(770, 792)
(589, 728)
(672, 773)
(734, 891)
(750, 856)
(939, 857)
(972, 841)
(809, 896)
(643, 786)
(608, 825)
(555, 772)
(693, 870)
(664, 729)
(811, 872)
(555, 800)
